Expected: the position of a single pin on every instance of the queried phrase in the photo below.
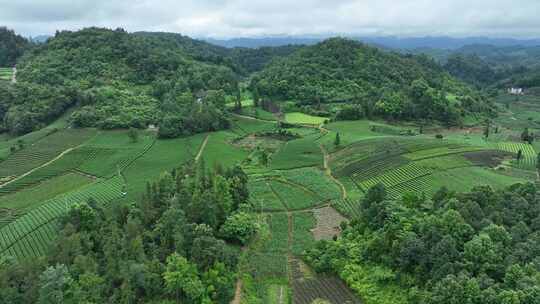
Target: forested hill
(117, 80)
(384, 83)
(12, 46)
(485, 65)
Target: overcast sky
(248, 18)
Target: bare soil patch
(491, 158)
(253, 141)
(328, 223)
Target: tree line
(178, 244)
(476, 247)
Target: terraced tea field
(6, 74)
(29, 235)
(46, 149)
(422, 165)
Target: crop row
(347, 207)
(416, 186)
(324, 287)
(294, 197)
(355, 157)
(67, 162)
(42, 151)
(314, 180)
(23, 228)
(529, 154)
(396, 176)
(262, 197)
(371, 168)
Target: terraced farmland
(262, 197)
(6, 73)
(303, 152)
(347, 207)
(294, 197)
(29, 235)
(396, 176)
(68, 162)
(17, 204)
(44, 150)
(529, 154)
(314, 180)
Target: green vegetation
(419, 251)
(380, 83)
(18, 203)
(303, 119)
(160, 169)
(12, 46)
(6, 74)
(303, 152)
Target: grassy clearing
(303, 239)
(263, 198)
(244, 126)
(294, 197)
(303, 152)
(314, 180)
(304, 119)
(279, 227)
(220, 150)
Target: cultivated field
(6, 74)
(307, 189)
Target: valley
(156, 168)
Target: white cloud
(227, 18)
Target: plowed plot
(306, 290)
(328, 223)
(253, 141)
(490, 158)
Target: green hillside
(381, 83)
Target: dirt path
(14, 75)
(328, 172)
(37, 168)
(201, 150)
(237, 293)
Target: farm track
(237, 292)
(37, 168)
(14, 76)
(201, 149)
(328, 172)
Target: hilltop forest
(114, 79)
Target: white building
(515, 91)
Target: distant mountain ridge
(388, 41)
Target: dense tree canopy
(12, 46)
(168, 246)
(117, 80)
(477, 247)
(384, 83)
